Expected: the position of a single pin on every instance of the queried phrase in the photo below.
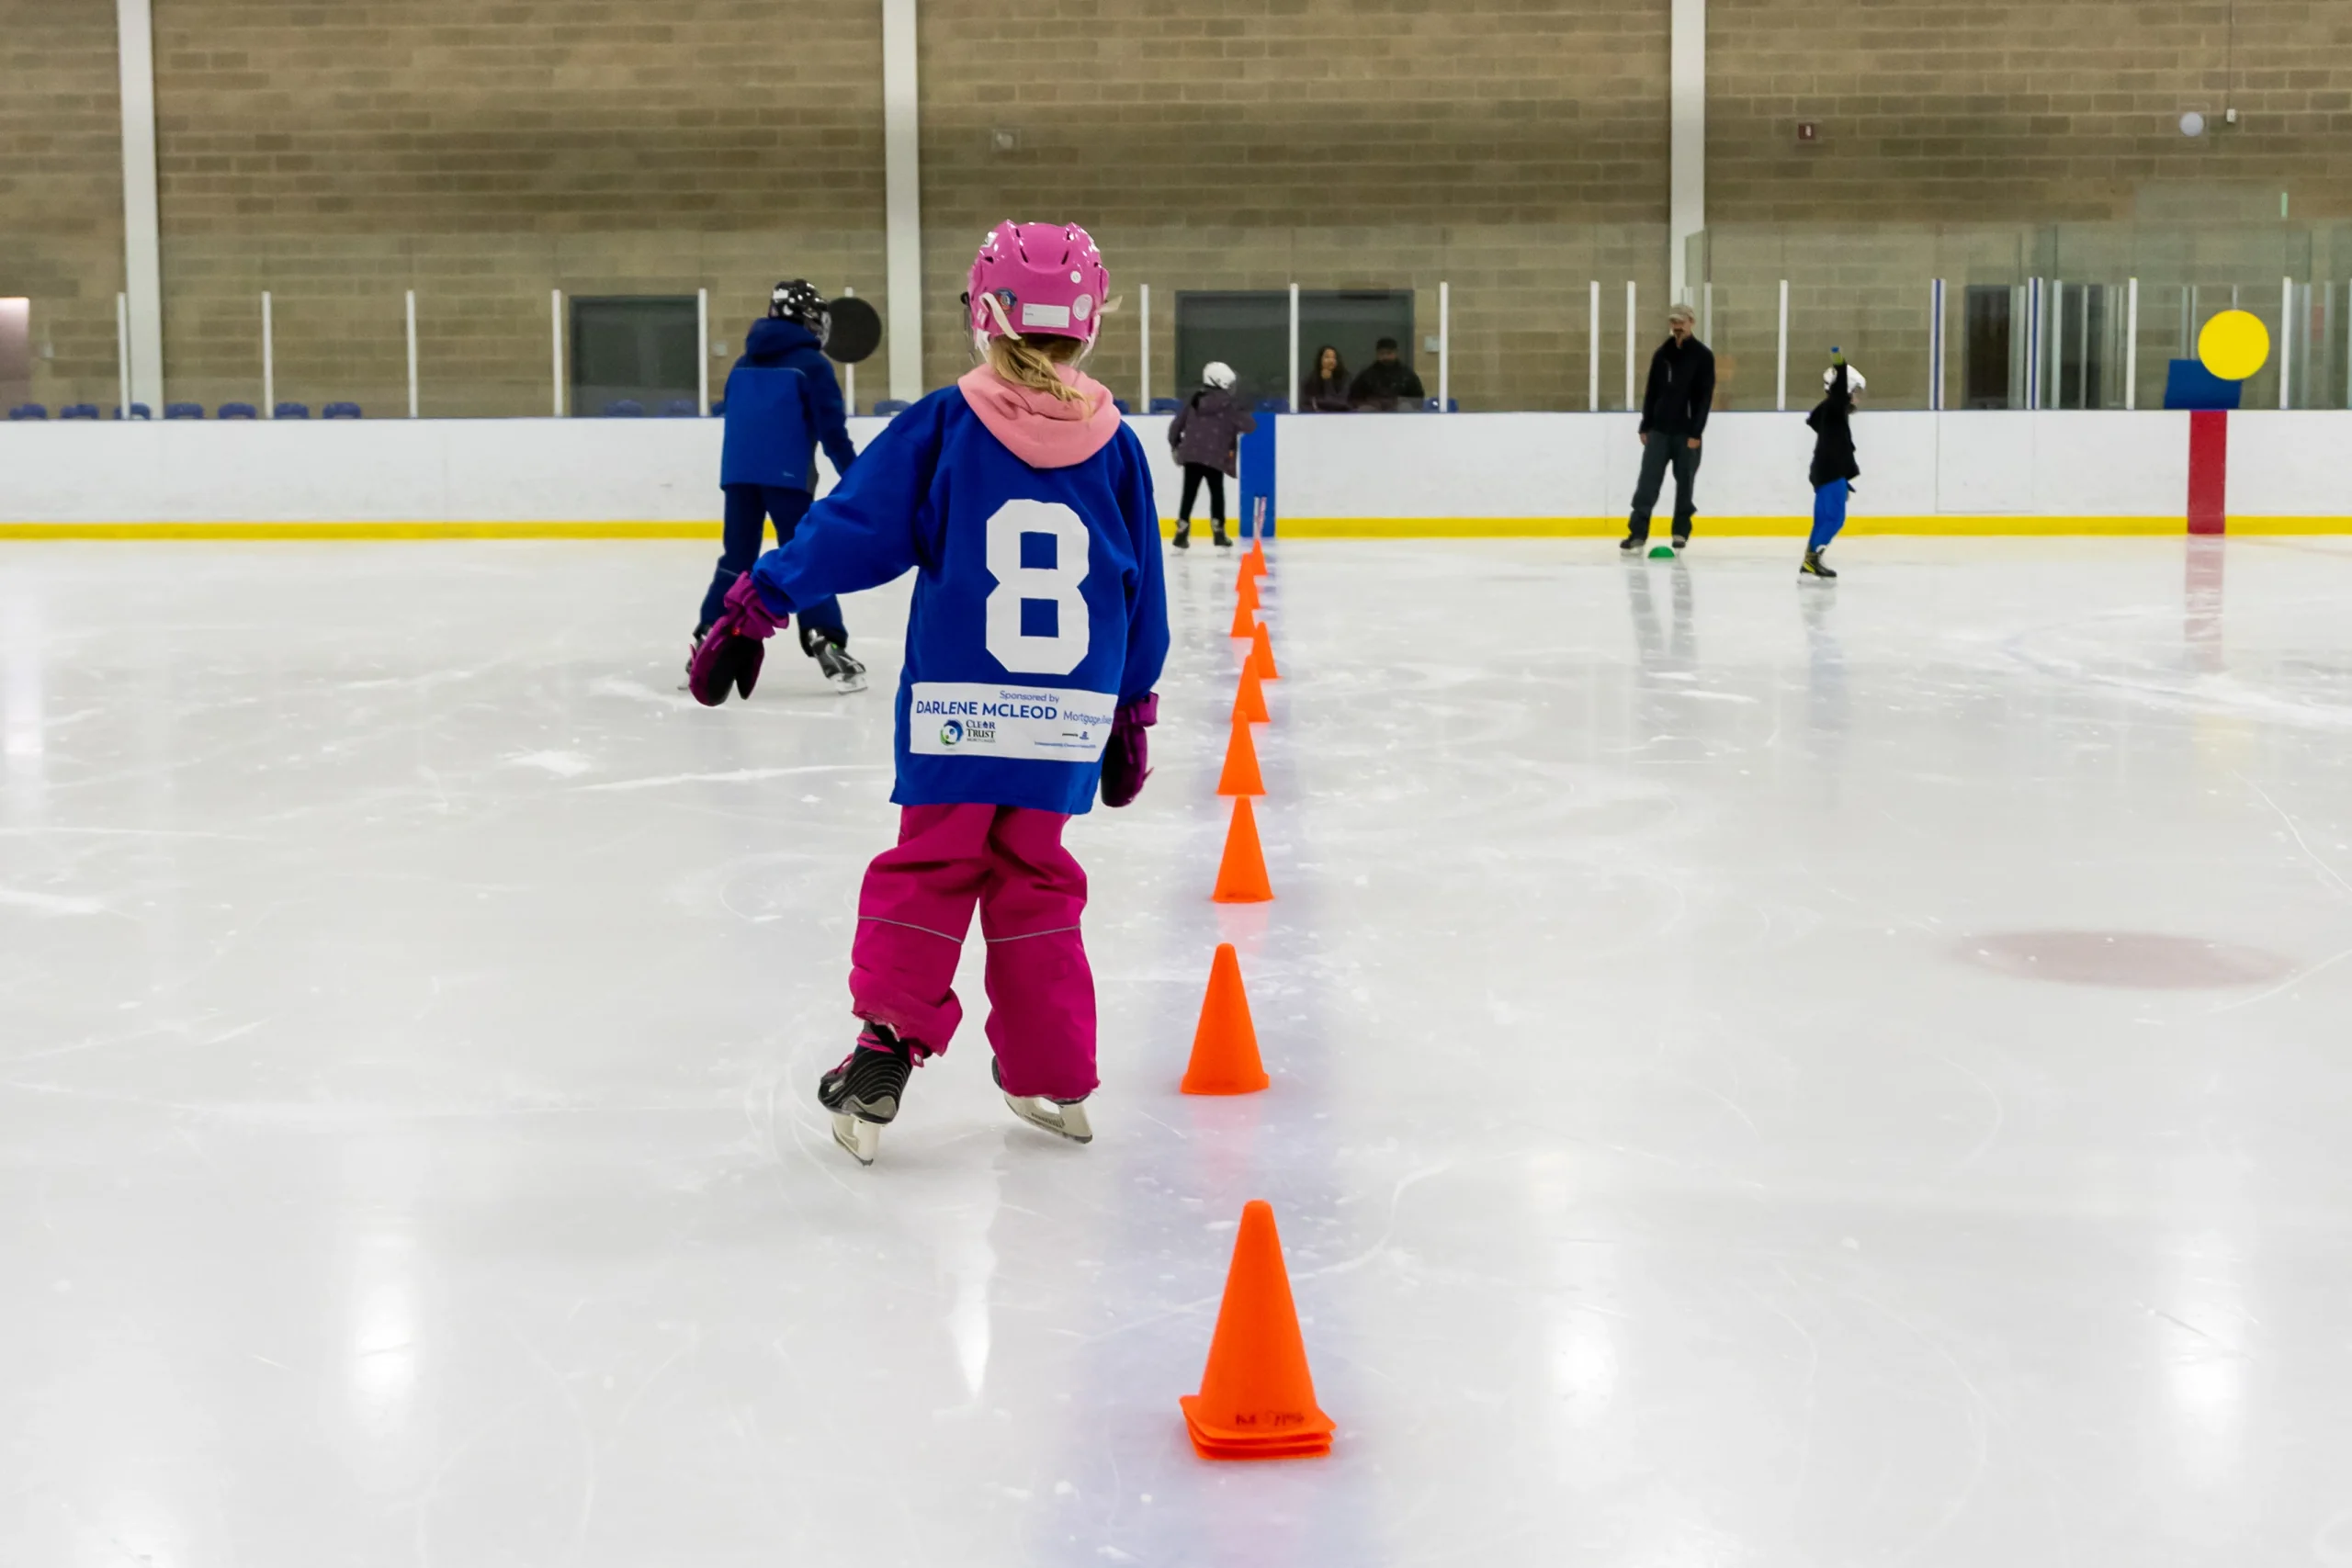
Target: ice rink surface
(1764, 1074)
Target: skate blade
(1062, 1120)
(848, 684)
(861, 1139)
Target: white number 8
(1059, 583)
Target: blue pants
(748, 507)
(1828, 514)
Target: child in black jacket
(1833, 468)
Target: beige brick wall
(1511, 148)
(60, 191)
(484, 154)
(2034, 111)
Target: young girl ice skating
(1206, 433)
(1833, 468)
(1039, 625)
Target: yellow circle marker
(2233, 345)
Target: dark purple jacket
(1209, 430)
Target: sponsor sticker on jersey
(958, 719)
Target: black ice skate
(834, 662)
(1063, 1118)
(865, 1091)
(1217, 537)
(1183, 539)
(1814, 567)
(1633, 543)
(1680, 542)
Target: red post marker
(2209, 471)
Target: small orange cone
(1242, 776)
(1261, 654)
(1245, 615)
(1250, 699)
(1225, 1045)
(1257, 1398)
(1254, 563)
(1241, 875)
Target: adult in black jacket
(1674, 416)
(1381, 384)
(1834, 468)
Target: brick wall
(2019, 111)
(484, 154)
(61, 192)
(484, 151)
(1512, 148)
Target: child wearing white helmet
(1022, 504)
(1206, 433)
(1834, 468)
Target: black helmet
(796, 299)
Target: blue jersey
(782, 399)
(1038, 604)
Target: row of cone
(1257, 1398)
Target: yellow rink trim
(643, 530)
(1771, 527)
(1289, 528)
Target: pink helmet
(1042, 277)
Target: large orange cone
(1245, 617)
(1241, 875)
(1250, 699)
(1224, 1047)
(1261, 654)
(1242, 776)
(1257, 1398)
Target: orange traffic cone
(1261, 654)
(1241, 875)
(1245, 615)
(1250, 699)
(1225, 1045)
(1254, 563)
(1257, 1398)
(1242, 776)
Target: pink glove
(1126, 760)
(731, 652)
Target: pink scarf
(1041, 430)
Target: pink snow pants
(916, 906)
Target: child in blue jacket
(1024, 505)
(782, 399)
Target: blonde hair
(1033, 363)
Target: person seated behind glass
(1384, 381)
(1324, 389)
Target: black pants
(748, 507)
(1194, 474)
(1663, 447)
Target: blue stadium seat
(340, 411)
(680, 407)
(239, 411)
(885, 407)
(293, 410)
(137, 411)
(1273, 405)
(1166, 405)
(1121, 405)
(1452, 405)
(183, 411)
(78, 410)
(29, 411)
(625, 408)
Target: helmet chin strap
(1003, 321)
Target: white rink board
(1451, 470)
